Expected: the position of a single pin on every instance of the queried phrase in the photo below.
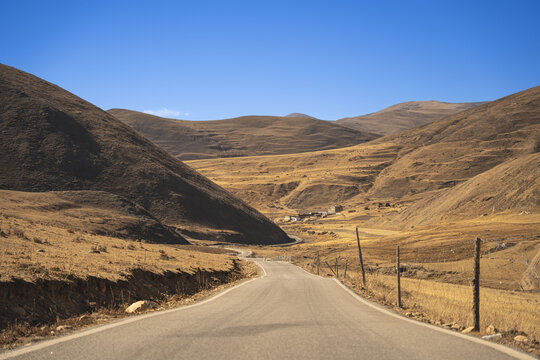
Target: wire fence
(437, 281)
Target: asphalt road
(286, 314)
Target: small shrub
(19, 233)
(163, 255)
(131, 247)
(102, 248)
(78, 239)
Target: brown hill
(458, 147)
(242, 136)
(404, 116)
(91, 212)
(512, 185)
(400, 169)
(52, 140)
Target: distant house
(335, 209)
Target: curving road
(287, 314)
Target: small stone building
(335, 209)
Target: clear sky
(216, 59)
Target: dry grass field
(437, 268)
(63, 255)
(38, 240)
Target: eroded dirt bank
(48, 301)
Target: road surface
(287, 314)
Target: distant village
(332, 210)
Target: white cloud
(164, 112)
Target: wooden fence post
(476, 286)
(337, 268)
(360, 256)
(398, 271)
(330, 267)
(318, 265)
(345, 272)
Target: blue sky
(216, 59)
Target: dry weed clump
(19, 233)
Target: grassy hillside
(404, 116)
(243, 136)
(399, 168)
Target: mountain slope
(512, 185)
(242, 136)
(53, 140)
(400, 169)
(404, 116)
(460, 146)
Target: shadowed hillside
(242, 136)
(53, 140)
(404, 116)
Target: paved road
(287, 314)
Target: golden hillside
(399, 168)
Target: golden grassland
(38, 244)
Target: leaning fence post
(476, 286)
(330, 267)
(360, 256)
(337, 268)
(398, 278)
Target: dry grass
(438, 263)
(451, 303)
(38, 244)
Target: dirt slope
(242, 136)
(53, 140)
(404, 116)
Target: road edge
(99, 328)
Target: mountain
(493, 144)
(404, 116)
(242, 136)
(300, 115)
(512, 185)
(51, 140)
(461, 146)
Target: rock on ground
(140, 306)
